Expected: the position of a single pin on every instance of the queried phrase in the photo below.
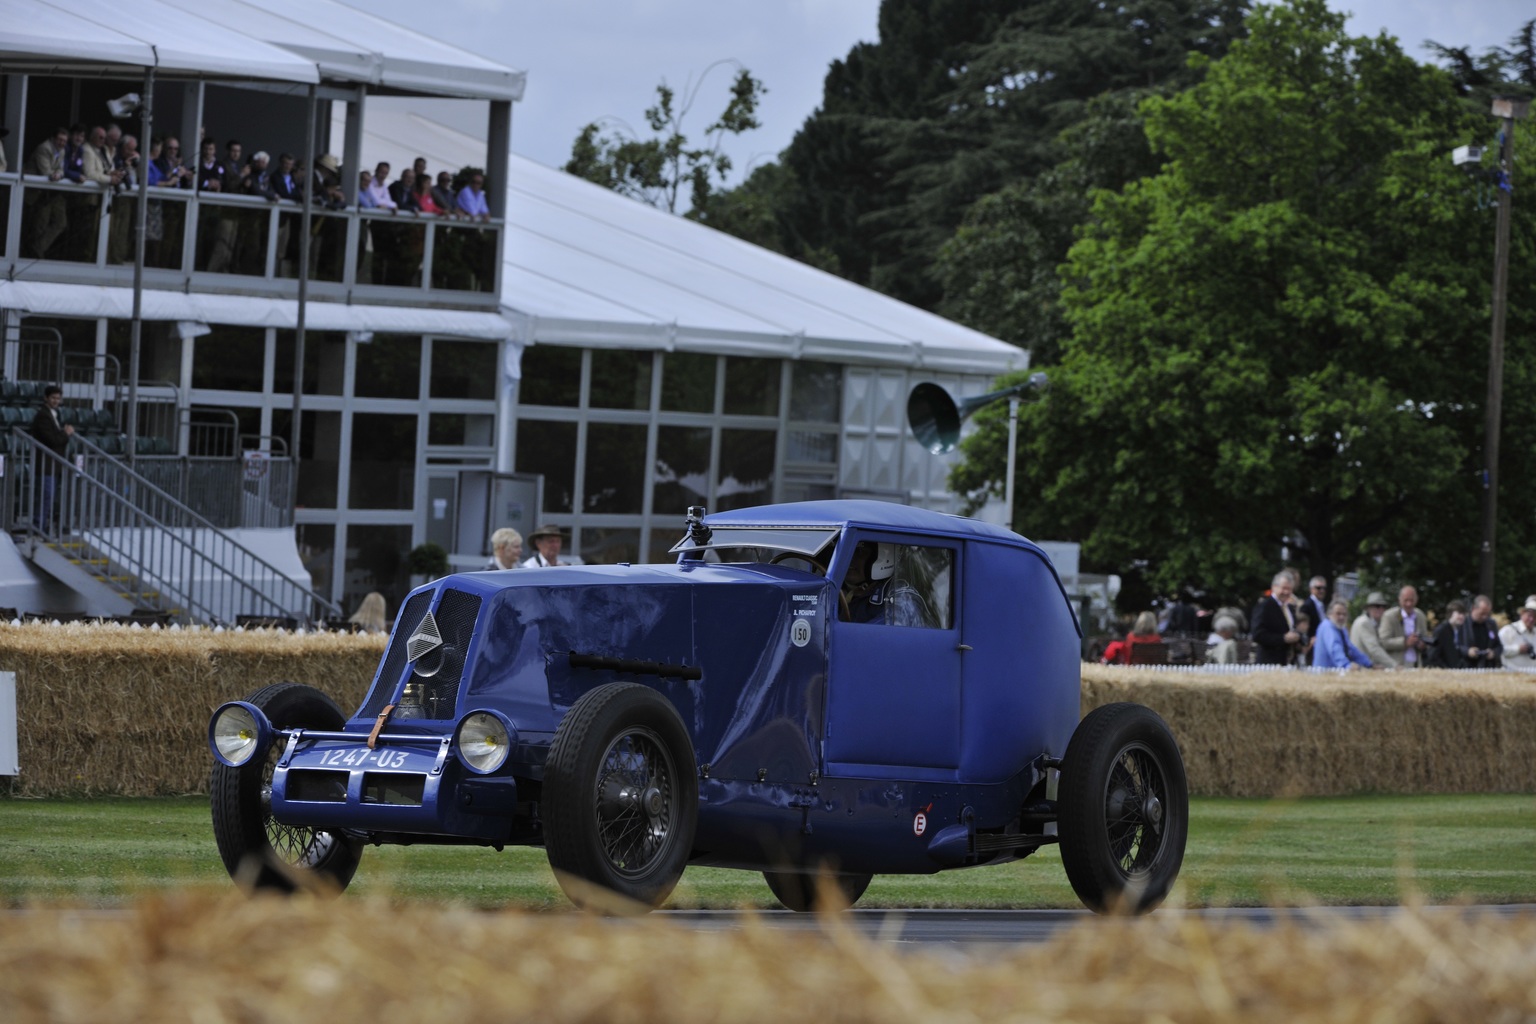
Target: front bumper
(406, 783)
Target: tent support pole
(298, 334)
(141, 218)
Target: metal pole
(1013, 436)
(304, 225)
(1509, 110)
(141, 218)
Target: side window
(900, 585)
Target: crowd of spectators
(104, 157)
(1286, 628)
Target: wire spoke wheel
(257, 849)
(635, 801)
(1123, 809)
(621, 795)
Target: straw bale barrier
(1281, 733)
(201, 958)
(123, 711)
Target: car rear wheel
(1124, 809)
(802, 892)
(257, 850)
(620, 799)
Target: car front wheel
(1124, 809)
(621, 797)
(257, 850)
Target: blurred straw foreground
(199, 957)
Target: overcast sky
(588, 60)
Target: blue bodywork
(884, 749)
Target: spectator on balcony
(236, 171)
(48, 158)
(442, 194)
(97, 162)
(114, 142)
(49, 217)
(378, 191)
(327, 183)
(285, 183)
(419, 168)
(119, 233)
(422, 192)
(210, 169)
(402, 192)
(258, 181)
(74, 154)
(472, 201)
(169, 171)
(365, 200)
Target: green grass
(1356, 850)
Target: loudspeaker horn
(935, 417)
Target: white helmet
(883, 565)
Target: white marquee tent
(584, 266)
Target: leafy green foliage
(1280, 340)
(656, 169)
(957, 100)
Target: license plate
(359, 757)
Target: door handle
(964, 647)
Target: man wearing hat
(547, 541)
(1519, 638)
(1363, 633)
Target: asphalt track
(974, 930)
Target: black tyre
(621, 797)
(257, 850)
(802, 892)
(1123, 809)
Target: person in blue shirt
(472, 201)
(1333, 648)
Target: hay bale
(107, 709)
(199, 957)
(1284, 733)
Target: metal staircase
(123, 542)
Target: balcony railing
(250, 241)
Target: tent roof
(88, 36)
(585, 266)
(353, 45)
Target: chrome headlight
(238, 732)
(484, 740)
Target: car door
(893, 692)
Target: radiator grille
(455, 615)
(394, 659)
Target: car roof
(868, 514)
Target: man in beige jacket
(1405, 631)
(1365, 634)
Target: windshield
(757, 543)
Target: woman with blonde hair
(1143, 631)
(371, 616)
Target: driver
(875, 594)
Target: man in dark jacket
(1274, 624)
(53, 435)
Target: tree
(1278, 342)
(958, 99)
(655, 170)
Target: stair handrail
(151, 507)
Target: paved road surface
(978, 929)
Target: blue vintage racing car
(818, 691)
